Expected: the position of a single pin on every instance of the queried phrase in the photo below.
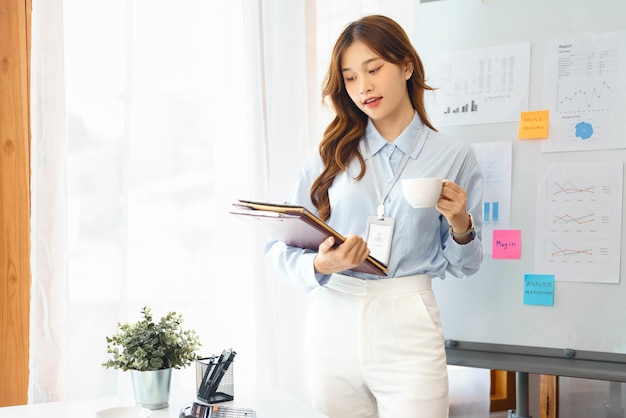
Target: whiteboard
(488, 306)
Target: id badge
(379, 236)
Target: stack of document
(296, 226)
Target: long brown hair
(340, 142)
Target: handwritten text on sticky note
(534, 125)
(539, 289)
(506, 243)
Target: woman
(377, 347)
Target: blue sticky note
(539, 289)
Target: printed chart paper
(586, 93)
(485, 85)
(495, 159)
(579, 222)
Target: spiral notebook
(296, 226)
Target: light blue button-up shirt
(421, 240)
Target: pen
(223, 367)
(218, 365)
(204, 384)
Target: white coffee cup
(422, 192)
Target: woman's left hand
(453, 205)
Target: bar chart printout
(485, 85)
(491, 211)
(579, 218)
(495, 159)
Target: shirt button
(388, 179)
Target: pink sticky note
(507, 243)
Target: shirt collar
(403, 141)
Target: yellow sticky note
(534, 125)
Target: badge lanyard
(379, 228)
(380, 211)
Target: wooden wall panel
(502, 397)
(15, 276)
(549, 396)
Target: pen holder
(213, 383)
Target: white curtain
(149, 118)
(49, 289)
(144, 130)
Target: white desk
(267, 402)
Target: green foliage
(146, 345)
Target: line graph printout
(579, 222)
(485, 85)
(587, 92)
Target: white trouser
(377, 349)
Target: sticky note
(534, 125)
(539, 289)
(507, 244)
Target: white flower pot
(152, 388)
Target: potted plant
(150, 350)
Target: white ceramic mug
(422, 192)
